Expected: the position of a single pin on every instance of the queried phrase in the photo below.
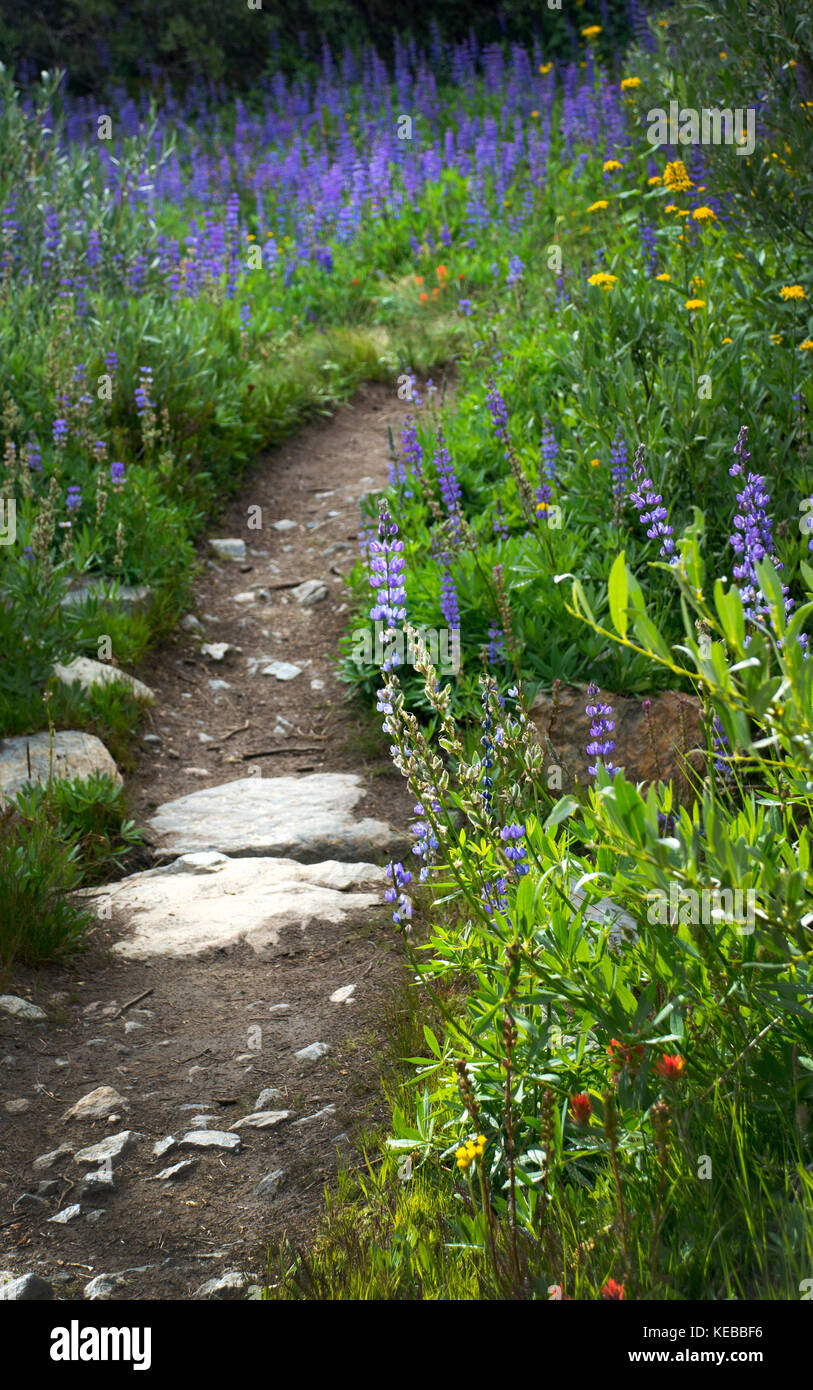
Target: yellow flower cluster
(600, 205)
(629, 82)
(545, 68)
(610, 165)
(792, 292)
(695, 303)
(468, 1152)
(602, 280)
(591, 32)
(704, 215)
(676, 177)
(664, 276)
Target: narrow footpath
(204, 1066)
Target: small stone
(197, 772)
(245, 596)
(232, 1284)
(343, 995)
(103, 1286)
(310, 592)
(219, 685)
(21, 1008)
(217, 650)
(115, 1146)
(203, 1121)
(313, 1052)
(323, 1114)
(152, 738)
(67, 1214)
(29, 1288)
(210, 1139)
(96, 1215)
(283, 670)
(163, 1146)
(28, 1201)
(265, 1097)
(98, 1104)
(62, 1061)
(131, 1025)
(17, 1107)
(267, 1186)
(205, 738)
(49, 1160)
(96, 1184)
(48, 1188)
(284, 525)
(279, 1009)
(228, 548)
(189, 623)
(261, 1119)
(317, 685)
(177, 1170)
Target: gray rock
(343, 995)
(228, 548)
(97, 1105)
(211, 1139)
(128, 598)
(309, 818)
(163, 1146)
(49, 1160)
(96, 1184)
(90, 674)
(219, 685)
(94, 1216)
(284, 525)
(172, 911)
(17, 1107)
(21, 1008)
(102, 1286)
(261, 1119)
(67, 1214)
(230, 1285)
(283, 670)
(27, 1201)
(75, 755)
(323, 1114)
(177, 1170)
(245, 596)
(203, 1121)
(310, 592)
(267, 1186)
(189, 623)
(115, 1146)
(313, 1052)
(29, 1288)
(265, 1097)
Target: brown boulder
(650, 747)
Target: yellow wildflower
(591, 32)
(534, 114)
(656, 178)
(695, 303)
(776, 339)
(602, 280)
(676, 177)
(600, 205)
(704, 215)
(664, 276)
(792, 292)
(671, 207)
(629, 82)
(545, 68)
(610, 165)
(595, 463)
(807, 345)
(727, 340)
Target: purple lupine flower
(499, 411)
(487, 761)
(59, 429)
(117, 473)
(649, 244)
(515, 270)
(512, 837)
(245, 318)
(411, 450)
(400, 877)
(449, 486)
(449, 604)
(464, 305)
(34, 456)
(602, 724)
(74, 499)
(753, 536)
(722, 762)
(499, 525)
(657, 517)
(809, 522)
(550, 449)
(496, 645)
(142, 391)
(494, 897)
(111, 362)
(387, 577)
(619, 469)
(426, 842)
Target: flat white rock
(228, 548)
(309, 592)
(261, 1119)
(313, 1052)
(309, 818)
(97, 1105)
(210, 1139)
(112, 1147)
(182, 909)
(283, 670)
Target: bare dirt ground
(193, 1044)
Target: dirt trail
(192, 1040)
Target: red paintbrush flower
(581, 1108)
(671, 1067)
(612, 1291)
